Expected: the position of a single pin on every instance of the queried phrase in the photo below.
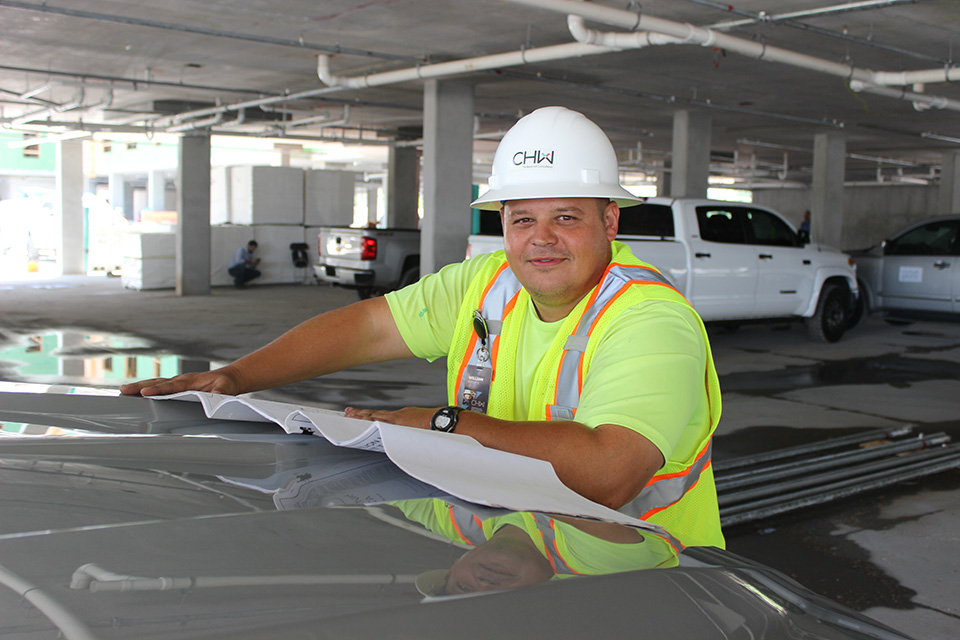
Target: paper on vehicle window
(332, 425)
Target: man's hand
(218, 381)
(408, 417)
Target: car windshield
(934, 238)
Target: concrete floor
(890, 553)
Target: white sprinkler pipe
(454, 67)
(687, 33)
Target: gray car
(133, 518)
(915, 271)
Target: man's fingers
(135, 388)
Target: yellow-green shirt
(646, 375)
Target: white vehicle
(735, 262)
(915, 270)
(371, 261)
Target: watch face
(442, 421)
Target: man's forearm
(608, 464)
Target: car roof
(139, 518)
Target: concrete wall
(870, 213)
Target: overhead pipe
(324, 120)
(921, 101)
(618, 40)
(454, 67)
(637, 21)
(41, 113)
(196, 124)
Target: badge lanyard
(476, 388)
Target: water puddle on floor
(85, 362)
(87, 358)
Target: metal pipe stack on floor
(758, 486)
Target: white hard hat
(554, 153)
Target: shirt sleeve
(426, 311)
(648, 375)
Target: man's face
(505, 563)
(559, 248)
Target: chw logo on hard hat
(533, 158)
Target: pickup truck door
(920, 269)
(725, 270)
(786, 274)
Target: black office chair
(298, 252)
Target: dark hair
(253, 243)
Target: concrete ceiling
(118, 65)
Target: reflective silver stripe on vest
(504, 288)
(663, 493)
(467, 525)
(557, 561)
(568, 386)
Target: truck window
(721, 225)
(766, 228)
(647, 220)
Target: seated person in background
(243, 267)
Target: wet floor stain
(891, 369)
(70, 356)
(803, 545)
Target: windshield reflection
(504, 549)
(509, 549)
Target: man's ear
(611, 219)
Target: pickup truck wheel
(859, 309)
(832, 317)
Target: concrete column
(372, 193)
(72, 249)
(949, 200)
(156, 191)
(826, 195)
(691, 154)
(193, 216)
(663, 180)
(117, 185)
(447, 172)
(403, 187)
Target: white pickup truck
(734, 262)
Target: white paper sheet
(457, 464)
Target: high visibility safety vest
(682, 495)
(461, 525)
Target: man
(804, 230)
(243, 267)
(565, 346)
(523, 548)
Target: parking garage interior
(141, 145)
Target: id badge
(476, 388)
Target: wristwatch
(445, 419)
